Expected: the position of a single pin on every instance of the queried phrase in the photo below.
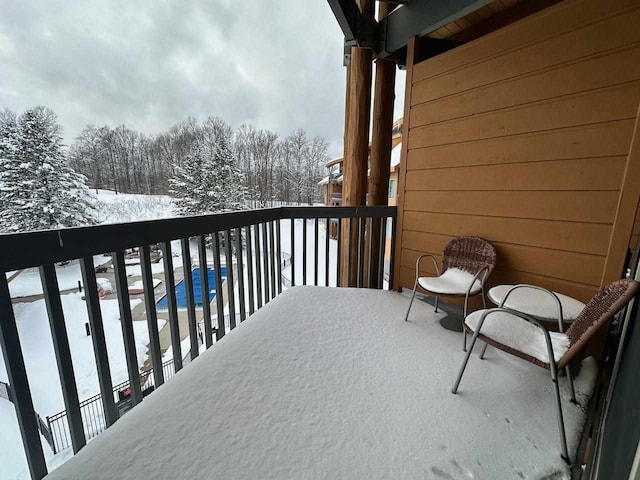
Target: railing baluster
(293, 252)
(126, 324)
(349, 253)
(230, 282)
(240, 263)
(370, 252)
(61, 348)
(279, 255)
(99, 342)
(191, 302)
(265, 258)
(361, 242)
(152, 318)
(172, 306)
(326, 253)
(250, 269)
(256, 232)
(220, 331)
(304, 251)
(316, 247)
(393, 251)
(204, 290)
(381, 253)
(16, 371)
(339, 258)
(272, 259)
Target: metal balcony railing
(249, 242)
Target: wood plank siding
(523, 137)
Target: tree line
(207, 167)
(273, 169)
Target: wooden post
(380, 162)
(402, 173)
(356, 149)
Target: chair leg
(567, 371)
(415, 285)
(484, 304)
(436, 311)
(563, 437)
(464, 363)
(464, 332)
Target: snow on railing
(250, 244)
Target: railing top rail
(33, 249)
(372, 211)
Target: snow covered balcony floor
(332, 383)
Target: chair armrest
(535, 287)
(435, 263)
(473, 281)
(530, 319)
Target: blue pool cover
(181, 294)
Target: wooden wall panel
(608, 34)
(547, 23)
(584, 141)
(579, 76)
(523, 137)
(606, 105)
(581, 174)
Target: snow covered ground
(13, 465)
(332, 383)
(285, 233)
(28, 282)
(128, 207)
(33, 327)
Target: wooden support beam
(402, 173)
(356, 148)
(625, 212)
(380, 161)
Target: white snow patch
(28, 282)
(138, 284)
(127, 207)
(536, 302)
(332, 383)
(40, 360)
(105, 285)
(453, 281)
(519, 334)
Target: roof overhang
(389, 37)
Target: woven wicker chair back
(469, 254)
(602, 307)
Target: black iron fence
(250, 245)
(56, 428)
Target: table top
(537, 303)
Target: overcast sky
(272, 64)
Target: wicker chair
(560, 347)
(467, 262)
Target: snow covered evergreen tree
(186, 184)
(39, 189)
(222, 185)
(209, 180)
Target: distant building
(332, 183)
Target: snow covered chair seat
(526, 337)
(467, 262)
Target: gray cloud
(276, 65)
